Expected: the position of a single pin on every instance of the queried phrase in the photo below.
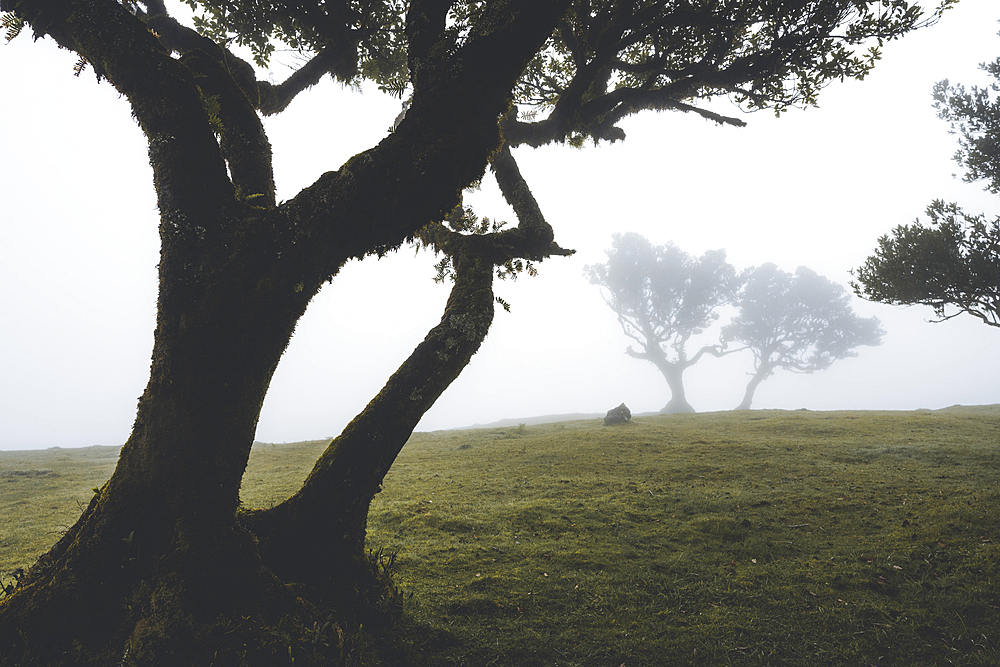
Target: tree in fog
(953, 263)
(800, 323)
(165, 567)
(662, 297)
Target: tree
(801, 323)
(662, 297)
(956, 260)
(163, 567)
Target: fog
(814, 187)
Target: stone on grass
(619, 415)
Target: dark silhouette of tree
(955, 260)
(800, 323)
(662, 297)
(163, 567)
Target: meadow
(733, 538)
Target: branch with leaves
(954, 261)
(606, 62)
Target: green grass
(42, 493)
(736, 538)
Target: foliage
(801, 323)
(974, 115)
(12, 24)
(662, 296)
(607, 61)
(746, 538)
(955, 260)
(373, 28)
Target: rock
(619, 415)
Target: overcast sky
(816, 188)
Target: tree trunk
(157, 559)
(762, 374)
(673, 373)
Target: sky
(815, 187)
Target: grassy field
(735, 538)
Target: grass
(736, 538)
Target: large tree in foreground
(163, 568)
(801, 323)
(952, 264)
(662, 297)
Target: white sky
(817, 187)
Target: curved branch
(296, 537)
(533, 238)
(242, 138)
(178, 38)
(340, 62)
(417, 173)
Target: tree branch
(338, 61)
(533, 238)
(178, 38)
(296, 537)
(242, 138)
(417, 173)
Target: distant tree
(663, 296)
(800, 323)
(955, 261)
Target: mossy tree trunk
(162, 569)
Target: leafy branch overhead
(952, 264)
(607, 61)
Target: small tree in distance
(800, 323)
(662, 297)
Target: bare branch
(340, 62)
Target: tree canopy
(800, 323)
(662, 296)
(164, 567)
(952, 264)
